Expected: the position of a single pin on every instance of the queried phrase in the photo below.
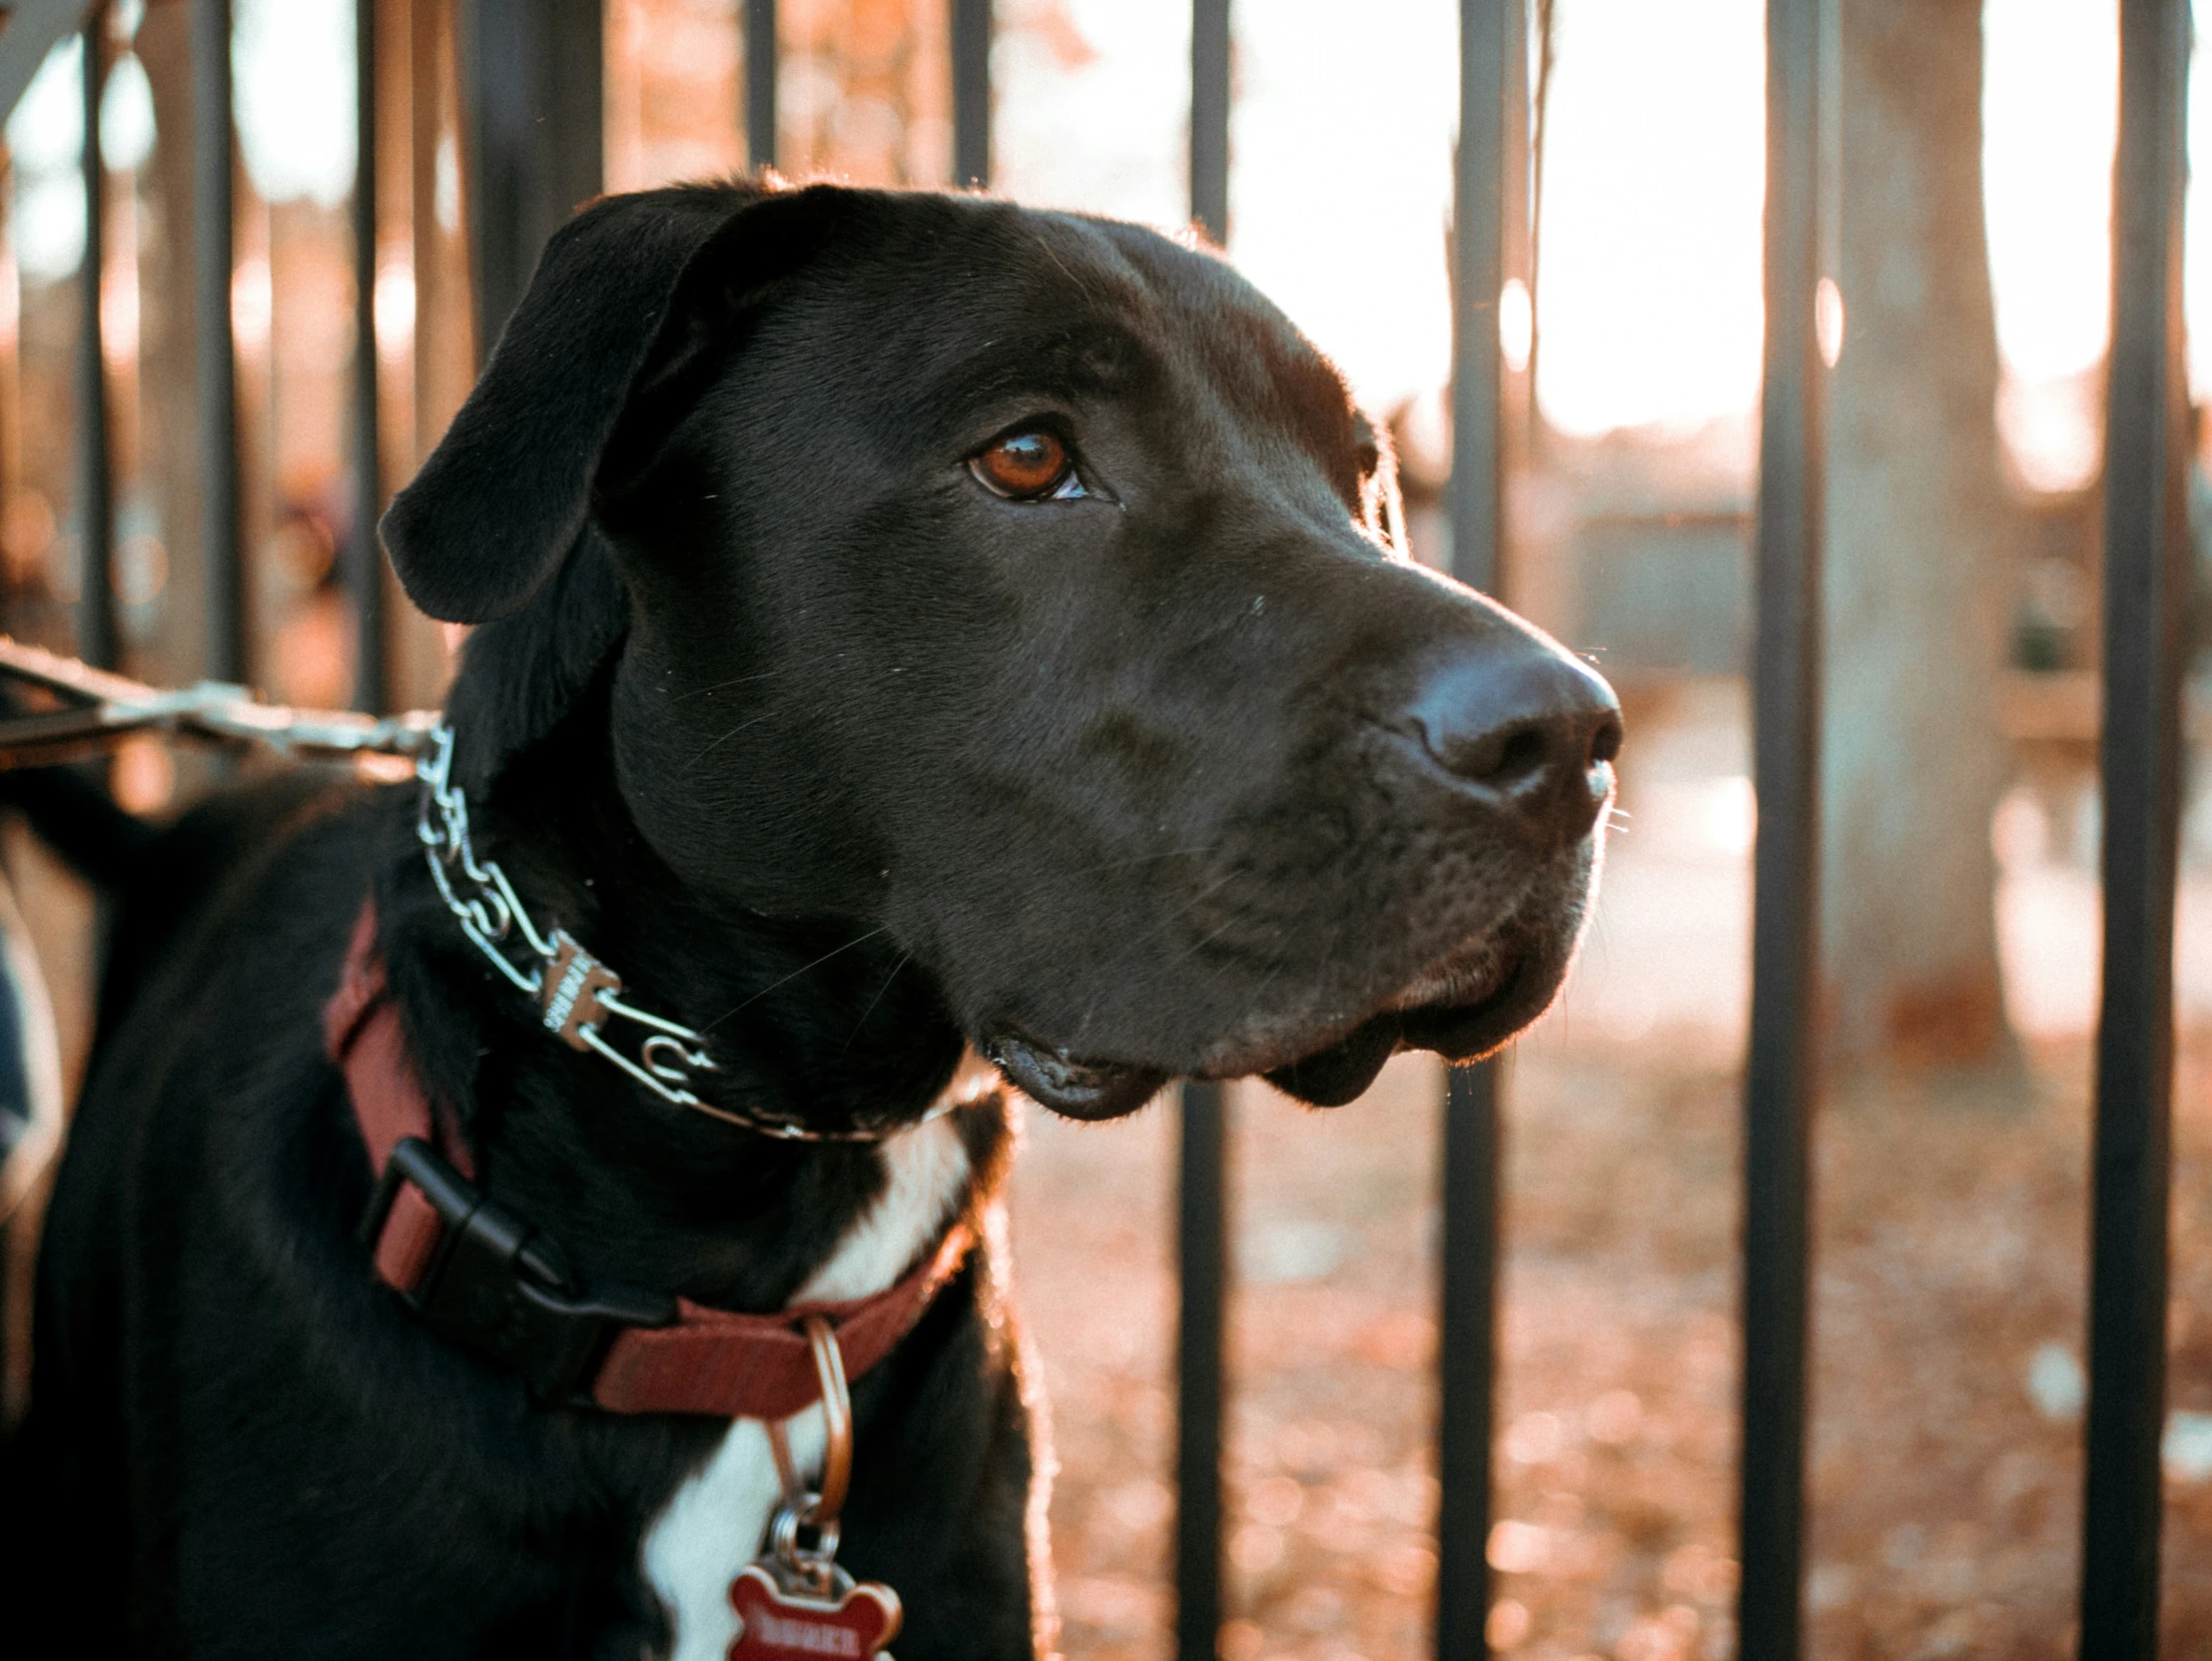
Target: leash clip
(496, 1285)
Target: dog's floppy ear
(502, 500)
(521, 675)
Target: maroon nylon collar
(704, 1360)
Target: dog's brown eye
(1024, 465)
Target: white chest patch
(717, 1521)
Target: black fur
(849, 762)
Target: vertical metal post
(2146, 557)
(1517, 247)
(365, 565)
(96, 636)
(532, 101)
(971, 93)
(1487, 39)
(212, 189)
(1210, 117)
(1203, 1245)
(760, 82)
(1492, 54)
(1467, 1359)
(1780, 1075)
(1203, 1209)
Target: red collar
(482, 1276)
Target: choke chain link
(574, 991)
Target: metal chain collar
(575, 991)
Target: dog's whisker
(732, 733)
(1210, 937)
(724, 685)
(1044, 247)
(1142, 859)
(905, 957)
(857, 940)
(1169, 921)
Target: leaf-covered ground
(1945, 1445)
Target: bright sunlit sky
(1649, 299)
(1649, 296)
(292, 63)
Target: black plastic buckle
(500, 1288)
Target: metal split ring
(816, 1509)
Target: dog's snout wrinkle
(1524, 725)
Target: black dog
(909, 625)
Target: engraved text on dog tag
(852, 1622)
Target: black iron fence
(530, 73)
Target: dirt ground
(1950, 1312)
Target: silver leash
(576, 994)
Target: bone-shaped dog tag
(796, 1601)
(850, 1622)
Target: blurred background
(1967, 331)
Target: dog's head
(1024, 586)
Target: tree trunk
(1918, 524)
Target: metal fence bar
(1492, 53)
(212, 254)
(760, 82)
(364, 562)
(1203, 1250)
(2146, 555)
(1210, 117)
(1486, 37)
(1467, 1358)
(532, 99)
(96, 637)
(34, 28)
(971, 93)
(1780, 1082)
(1204, 1210)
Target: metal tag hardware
(574, 979)
(795, 1601)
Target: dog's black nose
(1526, 725)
